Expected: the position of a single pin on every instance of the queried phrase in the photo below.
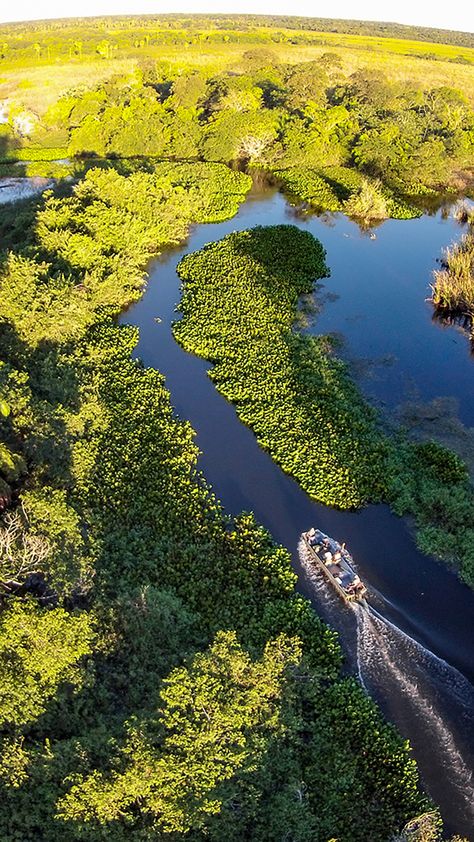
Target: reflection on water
(377, 302)
(15, 189)
(461, 321)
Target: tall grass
(368, 203)
(453, 289)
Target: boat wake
(430, 701)
(427, 683)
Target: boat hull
(357, 596)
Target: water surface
(412, 648)
(13, 189)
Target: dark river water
(412, 646)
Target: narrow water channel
(412, 647)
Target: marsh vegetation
(453, 288)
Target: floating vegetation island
(239, 307)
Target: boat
(336, 563)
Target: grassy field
(38, 87)
(37, 81)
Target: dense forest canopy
(295, 120)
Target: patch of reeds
(453, 289)
(368, 203)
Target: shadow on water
(412, 648)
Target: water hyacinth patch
(239, 307)
(342, 189)
(240, 302)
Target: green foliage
(217, 717)
(239, 135)
(305, 84)
(119, 718)
(40, 649)
(12, 465)
(240, 302)
(319, 137)
(66, 567)
(432, 484)
(92, 247)
(340, 188)
(151, 630)
(346, 710)
(166, 680)
(343, 180)
(307, 185)
(298, 115)
(445, 465)
(38, 153)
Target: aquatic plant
(344, 181)
(344, 189)
(239, 304)
(307, 185)
(453, 289)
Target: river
(412, 646)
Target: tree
(305, 83)
(188, 91)
(225, 138)
(103, 48)
(216, 716)
(39, 649)
(259, 58)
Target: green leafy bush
(447, 467)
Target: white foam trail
(374, 654)
(458, 683)
(385, 653)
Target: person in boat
(312, 539)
